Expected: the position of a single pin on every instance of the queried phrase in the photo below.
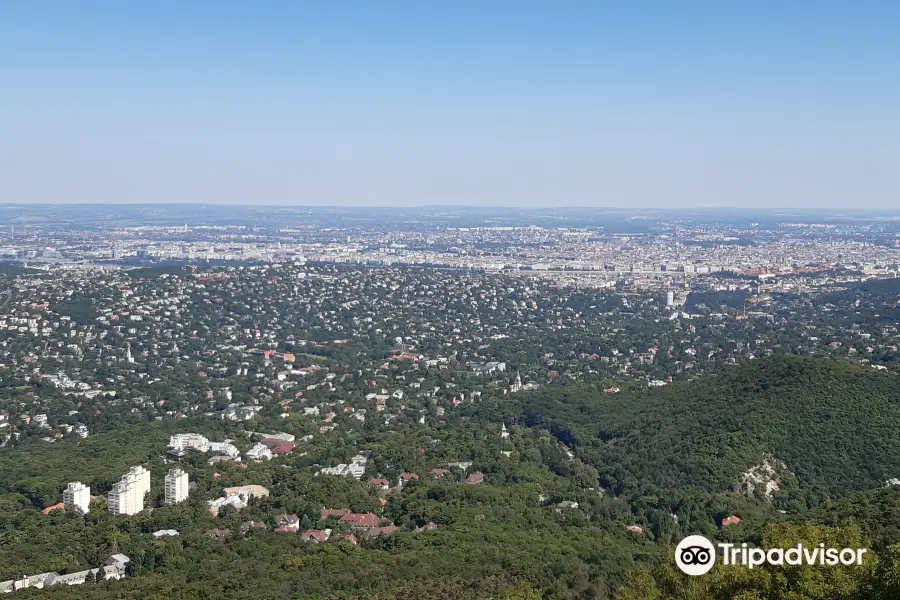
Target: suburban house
(361, 520)
(218, 533)
(407, 477)
(379, 483)
(50, 509)
(316, 536)
(474, 479)
(248, 526)
(287, 523)
(327, 513)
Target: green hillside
(835, 425)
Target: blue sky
(644, 104)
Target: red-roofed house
(317, 536)
(287, 523)
(381, 484)
(327, 513)
(218, 533)
(732, 520)
(283, 448)
(474, 479)
(407, 477)
(50, 509)
(438, 473)
(361, 520)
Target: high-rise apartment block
(176, 486)
(127, 496)
(77, 498)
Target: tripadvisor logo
(696, 555)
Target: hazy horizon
(503, 105)
(776, 211)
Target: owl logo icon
(695, 555)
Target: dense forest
(701, 435)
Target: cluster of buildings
(114, 568)
(236, 497)
(128, 495)
(180, 444)
(270, 445)
(678, 248)
(356, 468)
(363, 525)
(267, 330)
(359, 337)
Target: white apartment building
(142, 476)
(355, 469)
(189, 441)
(127, 496)
(176, 486)
(123, 499)
(226, 448)
(259, 452)
(77, 497)
(237, 497)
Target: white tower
(142, 476)
(121, 499)
(517, 384)
(503, 432)
(670, 298)
(176, 486)
(77, 498)
(127, 496)
(128, 355)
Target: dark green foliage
(82, 310)
(836, 425)
(11, 271)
